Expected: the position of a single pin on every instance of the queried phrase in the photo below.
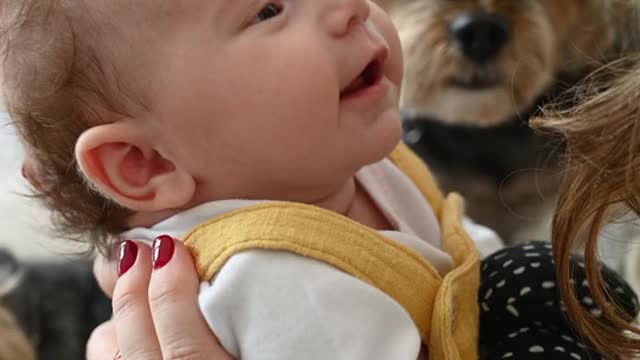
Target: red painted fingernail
(118, 356)
(163, 248)
(128, 255)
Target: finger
(102, 344)
(173, 296)
(106, 273)
(134, 327)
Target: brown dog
(476, 70)
(480, 62)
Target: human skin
(156, 314)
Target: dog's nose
(480, 36)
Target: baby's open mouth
(371, 74)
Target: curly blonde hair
(602, 163)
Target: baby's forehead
(118, 24)
(148, 10)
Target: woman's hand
(156, 314)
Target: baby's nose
(342, 15)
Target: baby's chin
(389, 135)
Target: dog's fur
(477, 140)
(57, 304)
(13, 342)
(549, 39)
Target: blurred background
(25, 224)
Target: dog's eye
(269, 11)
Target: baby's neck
(350, 200)
(340, 201)
(354, 202)
(365, 211)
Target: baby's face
(269, 97)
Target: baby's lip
(369, 73)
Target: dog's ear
(10, 273)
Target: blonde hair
(602, 164)
(13, 342)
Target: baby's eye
(269, 11)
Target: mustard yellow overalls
(444, 309)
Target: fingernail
(163, 248)
(128, 255)
(118, 356)
(25, 174)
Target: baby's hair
(602, 164)
(55, 87)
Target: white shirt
(267, 304)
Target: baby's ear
(125, 166)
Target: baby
(266, 136)
(274, 119)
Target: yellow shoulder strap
(310, 231)
(410, 164)
(455, 320)
(449, 210)
(321, 234)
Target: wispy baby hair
(56, 86)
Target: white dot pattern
(522, 315)
(548, 284)
(536, 349)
